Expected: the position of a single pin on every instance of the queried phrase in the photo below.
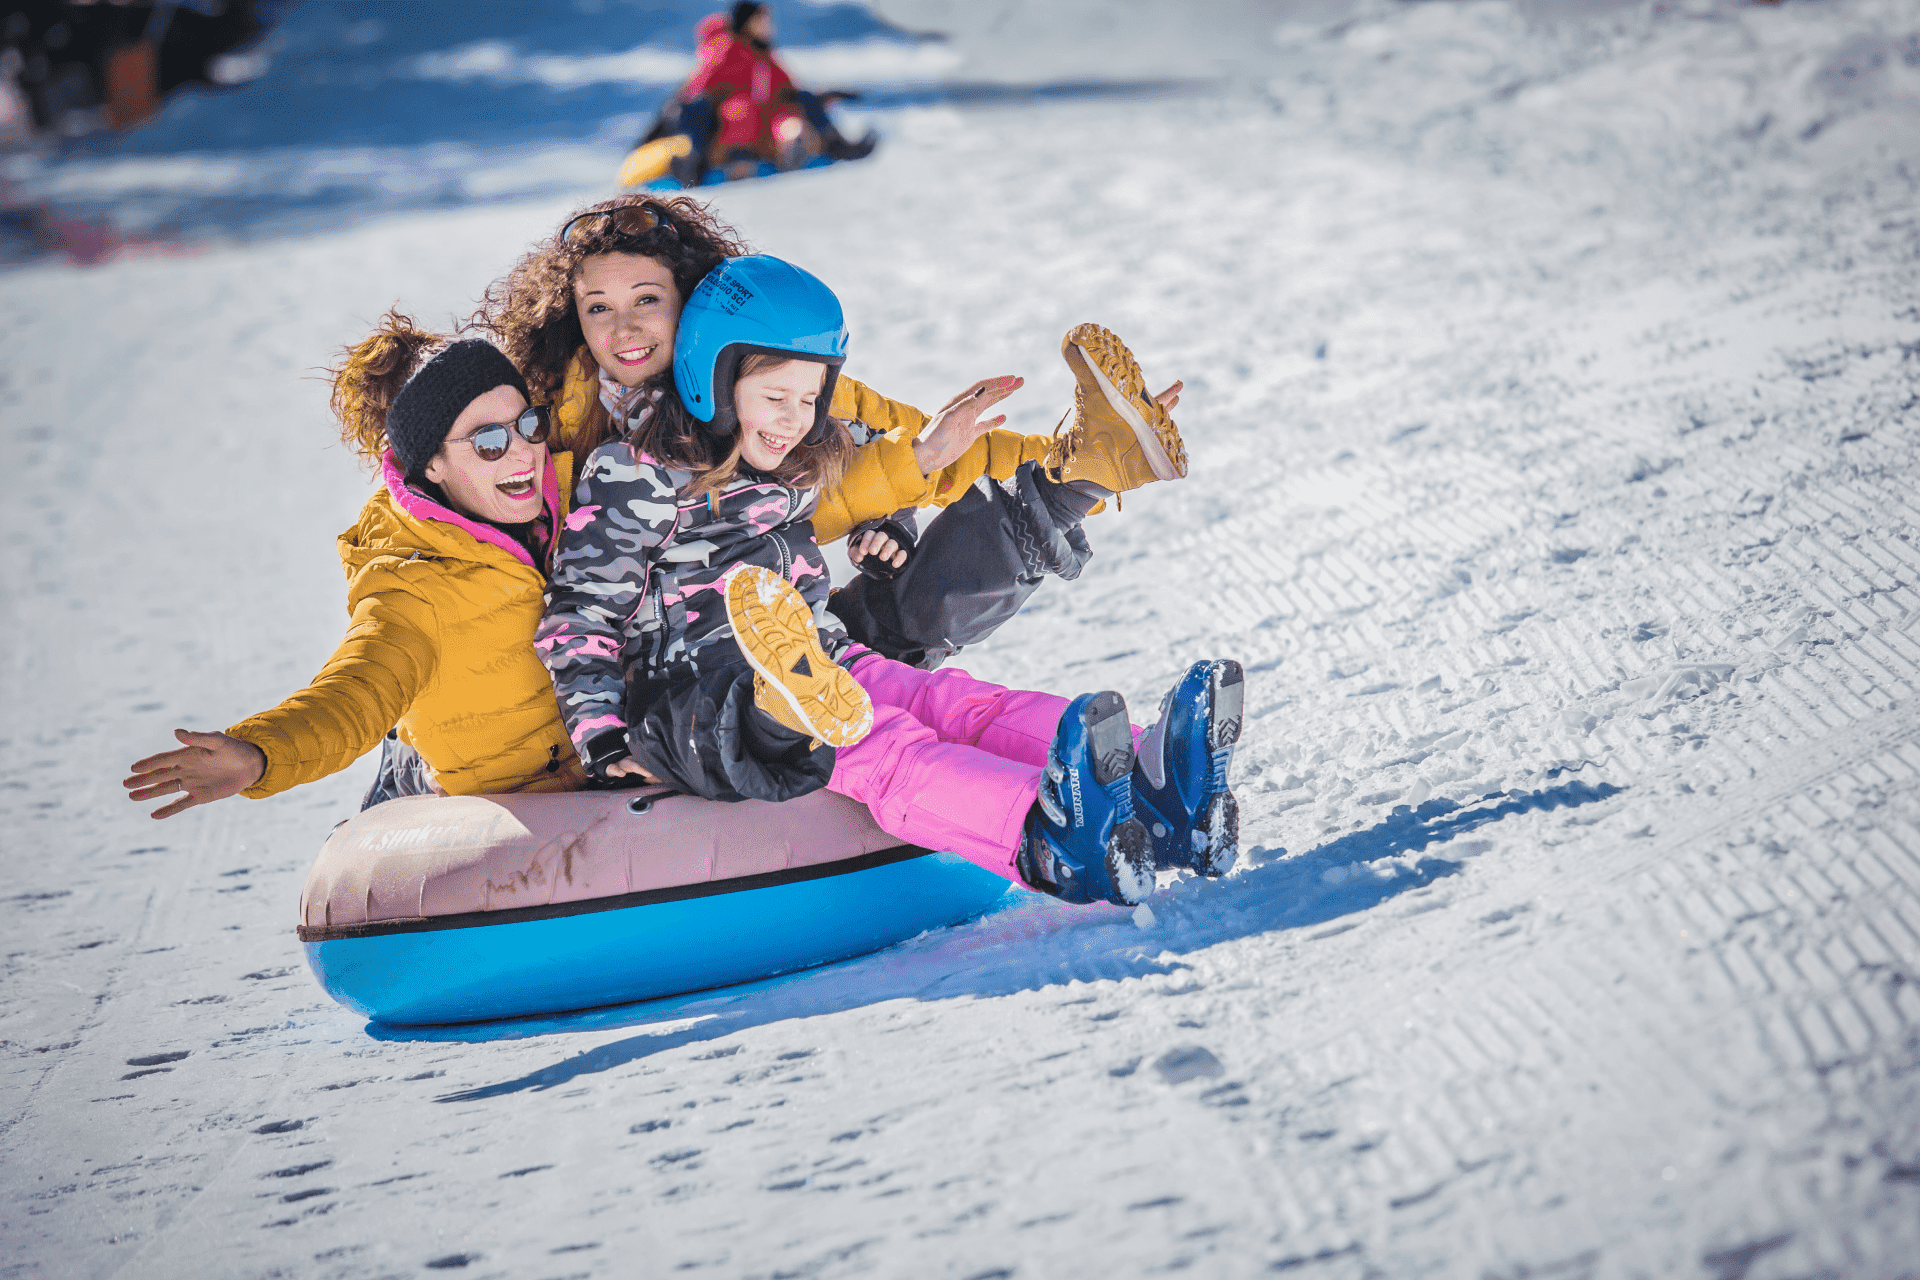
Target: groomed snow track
(1556, 476)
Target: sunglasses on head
(629, 220)
(493, 440)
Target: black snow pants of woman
(973, 569)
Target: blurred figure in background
(81, 66)
(740, 107)
(16, 116)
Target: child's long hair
(367, 376)
(531, 315)
(671, 435)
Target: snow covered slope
(1552, 410)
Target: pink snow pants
(952, 762)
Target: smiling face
(776, 408)
(506, 491)
(629, 309)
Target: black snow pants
(976, 565)
(699, 733)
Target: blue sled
(507, 964)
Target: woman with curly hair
(446, 575)
(589, 317)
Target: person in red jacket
(740, 106)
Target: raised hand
(954, 429)
(211, 766)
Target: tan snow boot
(795, 681)
(1121, 438)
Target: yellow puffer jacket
(441, 645)
(882, 476)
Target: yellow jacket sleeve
(386, 658)
(996, 454)
(857, 402)
(883, 475)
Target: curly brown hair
(367, 376)
(530, 313)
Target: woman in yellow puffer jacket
(446, 575)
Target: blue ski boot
(1180, 786)
(1082, 841)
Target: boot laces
(1066, 445)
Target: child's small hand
(876, 543)
(628, 767)
(958, 424)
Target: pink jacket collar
(421, 507)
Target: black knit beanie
(424, 411)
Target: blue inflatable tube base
(473, 968)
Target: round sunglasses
(493, 440)
(629, 221)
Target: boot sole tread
(1095, 354)
(830, 702)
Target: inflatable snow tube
(472, 908)
(648, 166)
(651, 160)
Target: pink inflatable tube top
(473, 908)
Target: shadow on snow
(1034, 942)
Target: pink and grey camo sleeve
(625, 511)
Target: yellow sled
(649, 161)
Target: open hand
(211, 766)
(954, 429)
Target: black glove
(884, 570)
(608, 747)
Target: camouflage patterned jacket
(637, 577)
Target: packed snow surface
(1551, 385)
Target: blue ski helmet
(751, 305)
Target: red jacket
(711, 38)
(749, 88)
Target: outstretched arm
(887, 474)
(953, 430)
(387, 656)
